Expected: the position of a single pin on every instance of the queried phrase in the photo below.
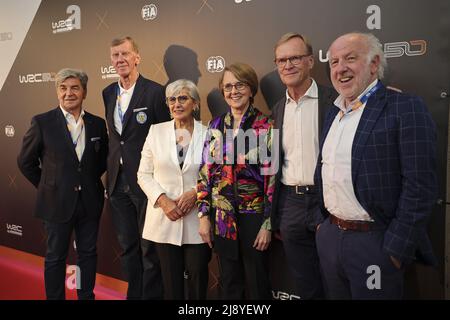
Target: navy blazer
(147, 106)
(49, 161)
(394, 170)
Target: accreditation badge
(141, 117)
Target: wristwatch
(202, 214)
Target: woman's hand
(169, 207)
(204, 230)
(186, 201)
(262, 240)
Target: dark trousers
(299, 244)
(248, 275)
(58, 241)
(139, 259)
(354, 265)
(190, 260)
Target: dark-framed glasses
(181, 99)
(239, 86)
(295, 60)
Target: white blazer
(159, 172)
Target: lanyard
(358, 104)
(119, 107)
(75, 141)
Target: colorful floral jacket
(235, 174)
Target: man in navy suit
(64, 155)
(132, 105)
(377, 175)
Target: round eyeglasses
(295, 60)
(181, 99)
(239, 86)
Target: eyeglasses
(181, 99)
(238, 86)
(295, 60)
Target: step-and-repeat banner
(196, 39)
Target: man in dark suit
(298, 117)
(64, 155)
(377, 175)
(132, 105)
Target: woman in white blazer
(168, 174)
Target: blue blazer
(394, 170)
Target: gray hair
(66, 73)
(375, 49)
(177, 86)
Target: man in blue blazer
(132, 105)
(64, 155)
(377, 177)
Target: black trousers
(299, 242)
(188, 261)
(355, 266)
(58, 241)
(248, 275)
(139, 259)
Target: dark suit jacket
(394, 170)
(326, 97)
(49, 161)
(147, 102)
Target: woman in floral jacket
(234, 191)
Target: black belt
(299, 189)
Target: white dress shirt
(77, 132)
(338, 193)
(300, 140)
(122, 102)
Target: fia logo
(9, 131)
(71, 23)
(109, 73)
(215, 64)
(14, 229)
(37, 77)
(149, 12)
(401, 48)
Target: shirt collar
(122, 90)
(68, 114)
(312, 92)
(339, 102)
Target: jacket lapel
(87, 135)
(327, 125)
(279, 121)
(325, 102)
(65, 132)
(369, 117)
(170, 128)
(195, 146)
(139, 90)
(110, 107)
